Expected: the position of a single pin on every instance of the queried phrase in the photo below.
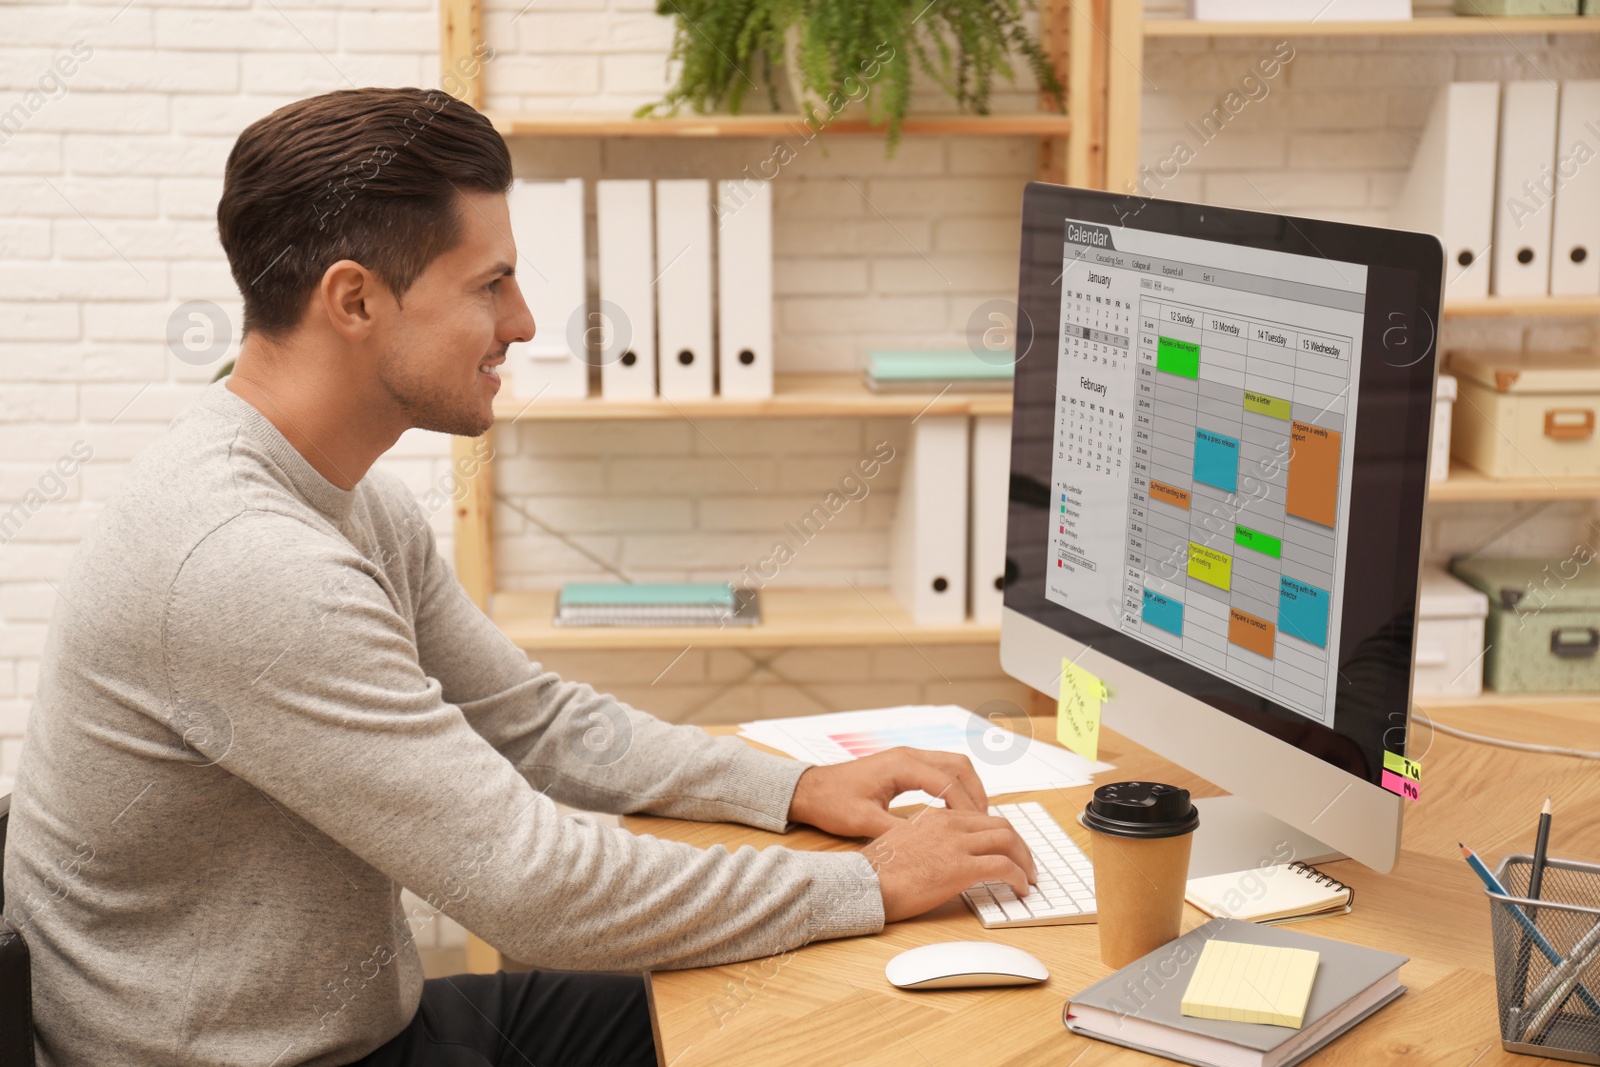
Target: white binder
(1522, 207)
(991, 493)
(683, 287)
(1450, 191)
(928, 568)
(1575, 243)
(547, 224)
(744, 288)
(627, 314)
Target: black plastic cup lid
(1141, 809)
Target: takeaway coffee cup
(1139, 836)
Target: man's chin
(457, 423)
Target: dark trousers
(525, 1019)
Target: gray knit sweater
(266, 705)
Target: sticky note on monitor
(1078, 710)
(1242, 983)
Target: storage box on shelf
(1449, 647)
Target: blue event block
(1303, 610)
(1164, 612)
(1216, 460)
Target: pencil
(1487, 877)
(1541, 847)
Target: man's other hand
(925, 860)
(851, 799)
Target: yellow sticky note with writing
(1078, 710)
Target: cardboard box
(1527, 415)
(1450, 617)
(1543, 632)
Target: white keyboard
(1065, 893)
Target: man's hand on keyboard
(925, 860)
(851, 799)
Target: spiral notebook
(1277, 894)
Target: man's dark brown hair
(369, 175)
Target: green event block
(1257, 541)
(1178, 357)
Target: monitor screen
(1220, 453)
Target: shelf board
(794, 396)
(791, 618)
(1425, 26)
(609, 124)
(1467, 484)
(1503, 307)
(1510, 702)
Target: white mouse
(952, 964)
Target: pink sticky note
(1395, 783)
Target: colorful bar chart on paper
(932, 736)
(1163, 611)
(1313, 473)
(1303, 611)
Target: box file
(547, 224)
(744, 288)
(683, 287)
(1575, 241)
(1522, 209)
(991, 493)
(928, 568)
(1450, 190)
(626, 234)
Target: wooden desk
(828, 1003)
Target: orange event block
(1167, 494)
(1247, 631)
(1313, 473)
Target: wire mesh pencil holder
(1547, 959)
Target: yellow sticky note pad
(1242, 983)
(1078, 710)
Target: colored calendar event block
(1210, 566)
(1303, 610)
(1262, 404)
(1313, 491)
(1178, 357)
(1169, 494)
(1216, 460)
(1247, 631)
(1163, 611)
(1257, 541)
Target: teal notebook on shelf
(653, 604)
(1141, 1006)
(917, 369)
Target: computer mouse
(953, 964)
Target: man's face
(441, 347)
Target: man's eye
(494, 283)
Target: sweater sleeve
(299, 656)
(582, 747)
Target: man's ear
(349, 294)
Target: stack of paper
(1006, 762)
(1251, 984)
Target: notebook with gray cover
(1139, 1006)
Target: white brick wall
(110, 188)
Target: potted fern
(832, 54)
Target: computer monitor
(1219, 455)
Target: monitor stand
(1235, 835)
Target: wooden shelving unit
(791, 618)
(1436, 26)
(1507, 307)
(1468, 485)
(796, 396)
(580, 124)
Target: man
(266, 705)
